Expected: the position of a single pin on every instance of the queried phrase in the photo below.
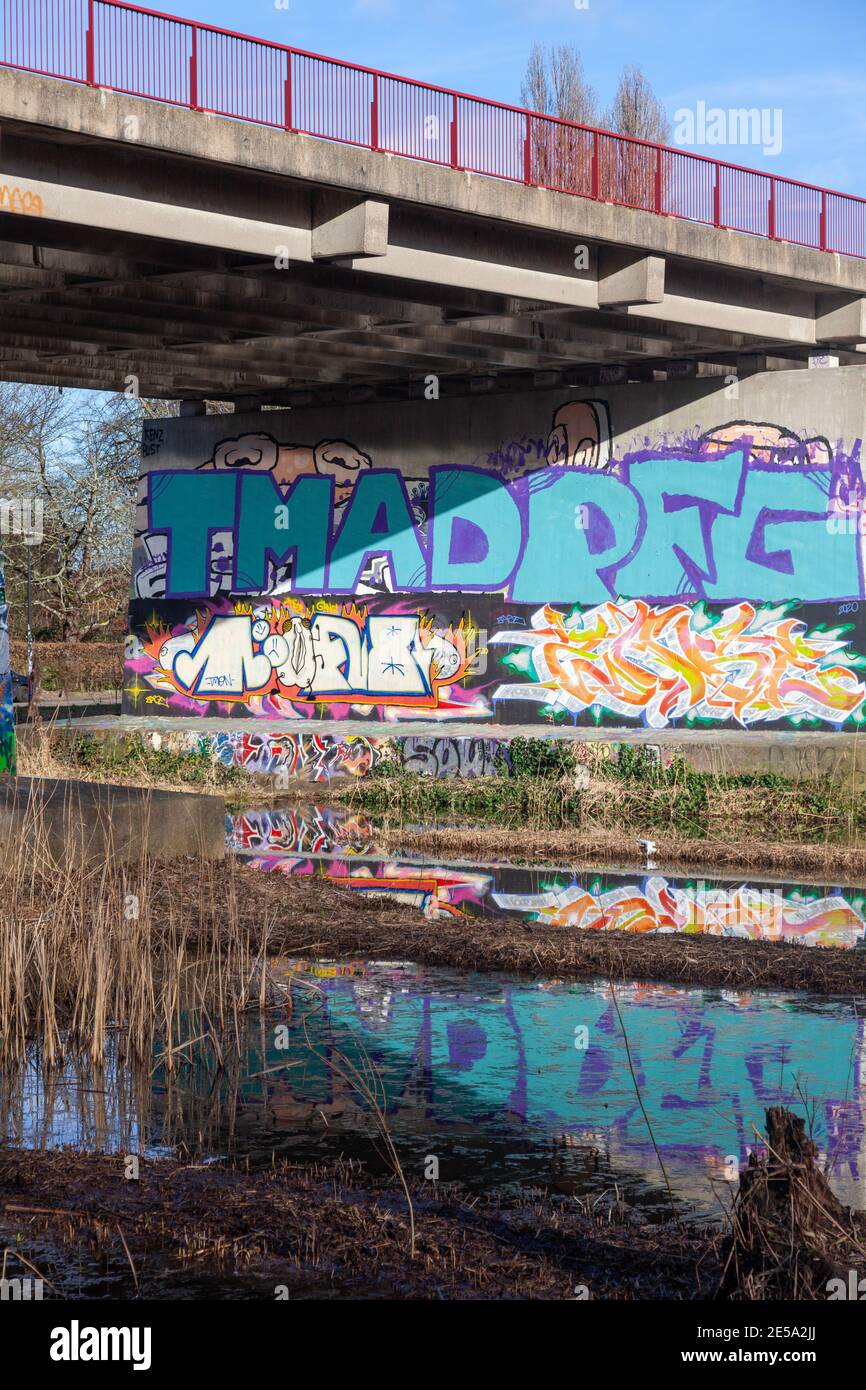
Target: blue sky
(804, 58)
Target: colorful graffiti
(305, 757)
(275, 659)
(663, 664)
(650, 525)
(678, 582)
(7, 714)
(322, 757)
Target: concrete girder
(85, 207)
(840, 319)
(463, 272)
(358, 230)
(624, 278)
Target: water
(494, 1080)
(342, 846)
(502, 1080)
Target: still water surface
(501, 1079)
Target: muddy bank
(313, 917)
(309, 1232)
(179, 1229)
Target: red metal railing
(107, 43)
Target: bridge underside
(211, 259)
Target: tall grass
(92, 947)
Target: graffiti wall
(525, 559)
(7, 718)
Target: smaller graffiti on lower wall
(288, 757)
(281, 758)
(455, 757)
(319, 757)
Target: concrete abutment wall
(685, 556)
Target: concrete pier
(94, 820)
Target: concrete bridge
(634, 517)
(248, 259)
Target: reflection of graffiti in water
(435, 891)
(313, 830)
(761, 914)
(502, 1053)
(279, 658)
(334, 843)
(679, 661)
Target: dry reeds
(83, 959)
(790, 1235)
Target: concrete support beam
(361, 230)
(840, 318)
(729, 318)
(87, 207)
(523, 282)
(625, 279)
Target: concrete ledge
(93, 820)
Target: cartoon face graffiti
(580, 435)
(332, 458)
(768, 444)
(290, 652)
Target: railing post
(822, 224)
(455, 141)
(374, 114)
(289, 113)
(594, 174)
(657, 204)
(90, 46)
(771, 211)
(527, 150)
(193, 70)
(717, 196)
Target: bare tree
(636, 110)
(555, 84)
(68, 461)
(566, 157)
(634, 174)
